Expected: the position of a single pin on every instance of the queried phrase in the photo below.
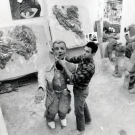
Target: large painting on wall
(26, 9)
(68, 22)
(23, 50)
(112, 19)
(68, 18)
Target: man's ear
(51, 52)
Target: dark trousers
(81, 109)
(131, 81)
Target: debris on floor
(12, 85)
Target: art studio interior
(67, 67)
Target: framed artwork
(112, 16)
(91, 37)
(67, 22)
(25, 9)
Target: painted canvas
(112, 19)
(68, 22)
(25, 9)
(23, 50)
(68, 17)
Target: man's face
(59, 50)
(87, 52)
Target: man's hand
(62, 62)
(127, 73)
(67, 58)
(40, 94)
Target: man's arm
(69, 74)
(40, 93)
(129, 39)
(74, 59)
(79, 76)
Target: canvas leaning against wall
(25, 9)
(23, 50)
(112, 19)
(66, 22)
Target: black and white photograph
(91, 37)
(25, 9)
(71, 71)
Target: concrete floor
(112, 110)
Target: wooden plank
(99, 34)
(3, 129)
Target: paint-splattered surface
(25, 52)
(112, 110)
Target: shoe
(77, 132)
(63, 122)
(80, 133)
(51, 124)
(88, 122)
(132, 91)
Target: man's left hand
(62, 62)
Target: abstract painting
(25, 9)
(22, 49)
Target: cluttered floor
(112, 109)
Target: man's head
(90, 49)
(59, 49)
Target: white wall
(128, 12)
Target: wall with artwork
(24, 37)
(22, 50)
(34, 11)
(25, 22)
(112, 19)
(70, 20)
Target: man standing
(81, 79)
(53, 83)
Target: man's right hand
(67, 58)
(40, 94)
